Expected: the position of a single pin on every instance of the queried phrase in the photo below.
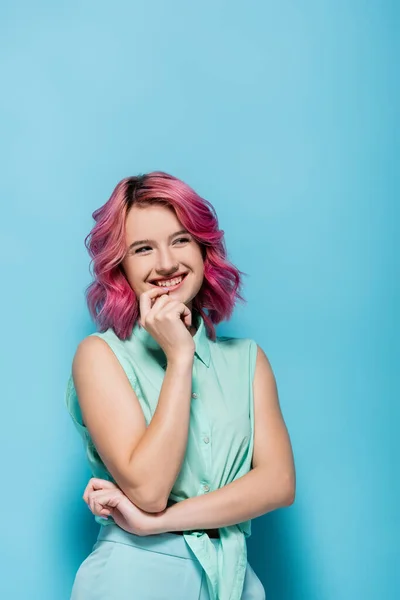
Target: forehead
(151, 221)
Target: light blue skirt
(124, 566)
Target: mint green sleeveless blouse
(220, 438)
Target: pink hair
(111, 301)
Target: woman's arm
(256, 493)
(269, 485)
(144, 461)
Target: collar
(201, 341)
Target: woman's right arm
(144, 461)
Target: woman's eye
(139, 250)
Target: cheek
(199, 272)
(133, 279)
(198, 258)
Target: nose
(167, 264)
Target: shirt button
(206, 488)
(206, 440)
(194, 395)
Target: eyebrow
(140, 242)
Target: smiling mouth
(170, 284)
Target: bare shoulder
(266, 399)
(264, 373)
(92, 344)
(101, 381)
(94, 354)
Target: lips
(168, 278)
(170, 288)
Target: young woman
(182, 428)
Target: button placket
(203, 431)
(205, 442)
(195, 389)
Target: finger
(157, 306)
(93, 483)
(159, 302)
(187, 315)
(104, 500)
(180, 310)
(97, 484)
(145, 301)
(106, 494)
(101, 499)
(96, 501)
(99, 503)
(88, 490)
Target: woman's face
(165, 251)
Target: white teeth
(170, 282)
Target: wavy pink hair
(111, 301)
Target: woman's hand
(104, 499)
(168, 322)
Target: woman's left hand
(104, 498)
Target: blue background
(285, 116)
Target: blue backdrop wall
(285, 116)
